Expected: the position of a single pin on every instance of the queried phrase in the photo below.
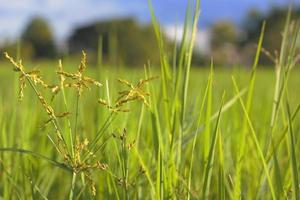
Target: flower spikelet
(33, 75)
(79, 80)
(135, 92)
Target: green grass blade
(225, 108)
(292, 148)
(278, 176)
(195, 136)
(256, 142)
(206, 136)
(242, 137)
(209, 164)
(189, 58)
(28, 152)
(221, 178)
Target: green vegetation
(273, 34)
(124, 42)
(39, 35)
(36, 42)
(173, 132)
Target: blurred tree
(38, 34)
(223, 32)
(251, 26)
(223, 43)
(124, 42)
(273, 35)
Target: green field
(168, 132)
(27, 176)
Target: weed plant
(159, 138)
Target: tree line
(126, 42)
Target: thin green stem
(71, 196)
(76, 119)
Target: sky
(65, 15)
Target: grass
(188, 134)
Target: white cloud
(62, 14)
(10, 28)
(55, 3)
(202, 41)
(15, 4)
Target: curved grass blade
(28, 152)
(242, 137)
(256, 142)
(226, 106)
(292, 147)
(208, 169)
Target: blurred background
(122, 31)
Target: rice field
(80, 131)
